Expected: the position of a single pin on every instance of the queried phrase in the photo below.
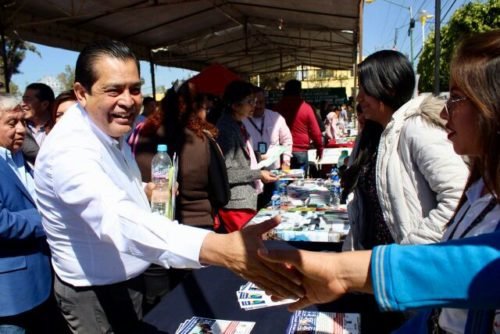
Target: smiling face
(373, 109)
(12, 129)
(462, 123)
(32, 105)
(115, 98)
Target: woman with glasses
(406, 178)
(245, 179)
(460, 276)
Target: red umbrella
(213, 79)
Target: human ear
(81, 94)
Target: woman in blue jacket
(458, 278)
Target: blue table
(211, 292)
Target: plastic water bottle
(160, 168)
(335, 188)
(275, 200)
(283, 193)
(342, 157)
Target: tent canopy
(246, 36)
(213, 79)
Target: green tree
(15, 53)
(67, 78)
(474, 17)
(14, 89)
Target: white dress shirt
(271, 129)
(94, 210)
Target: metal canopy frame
(249, 37)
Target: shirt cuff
(188, 241)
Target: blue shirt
(16, 163)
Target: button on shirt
(95, 212)
(17, 163)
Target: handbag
(218, 183)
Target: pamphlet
(273, 154)
(313, 322)
(199, 325)
(251, 297)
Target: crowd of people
(78, 237)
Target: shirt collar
(99, 133)
(16, 157)
(474, 191)
(5, 153)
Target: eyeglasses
(448, 106)
(251, 101)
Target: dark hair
(84, 71)
(366, 148)
(475, 69)
(236, 91)
(148, 99)
(292, 88)
(67, 95)
(43, 92)
(388, 76)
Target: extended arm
(460, 273)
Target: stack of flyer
(313, 322)
(250, 297)
(198, 325)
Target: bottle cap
(161, 148)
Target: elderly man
(96, 214)
(25, 275)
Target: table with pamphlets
(307, 219)
(211, 293)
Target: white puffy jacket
(420, 178)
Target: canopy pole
(437, 45)
(152, 70)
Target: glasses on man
(450, 103)
(251, 101)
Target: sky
(382, 20)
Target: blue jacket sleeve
(460, 273)
(20, 225)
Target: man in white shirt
(268, 128)
(96, 214)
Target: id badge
(262, 147)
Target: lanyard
(492, 203)
(261, 130)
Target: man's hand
(148, 189)
(319, 280)
(150, 186)
(327, 276)
(237, 251)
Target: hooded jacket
(420, 178)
